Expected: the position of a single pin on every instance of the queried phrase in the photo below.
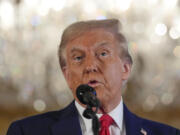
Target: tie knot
(106, 120)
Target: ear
(126, 70)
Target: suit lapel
(132, 123)
(68, 123)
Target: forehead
(92, 38)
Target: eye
(78, 58)
(103, 53)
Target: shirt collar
(116, 114)
(86, 122)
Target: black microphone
(87, 95)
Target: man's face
(93, 59)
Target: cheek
(73, 82)
(74, 79)
(113, 75)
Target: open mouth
(93, 83)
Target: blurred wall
(30, 78)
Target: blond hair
(77, 29)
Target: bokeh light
(174, 33)
(123, 5)
(39, 105)
(161, 29)
(167, 98)
(6, 14)
(150, 102)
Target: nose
(90, 65)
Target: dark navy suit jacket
(66, 122)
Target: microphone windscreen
(82, 90)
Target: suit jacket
(66, 122)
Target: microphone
(87, 95)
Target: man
(93, 53)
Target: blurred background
(31, 81)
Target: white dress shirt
(117, 115)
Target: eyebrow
(75, 49)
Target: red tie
(105, 121)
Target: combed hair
(77, 29)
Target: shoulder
(32, 124)
(158, 128)
(42, 118)
(40, 121)
(138, 124)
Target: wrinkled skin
(93, 59)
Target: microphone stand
(90, 114)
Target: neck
(106, 108)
